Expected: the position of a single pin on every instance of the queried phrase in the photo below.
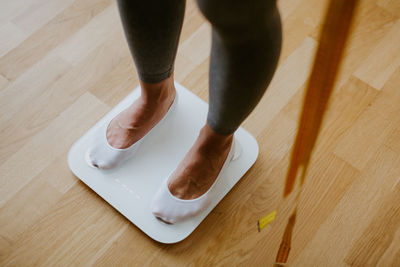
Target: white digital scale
(130, 187)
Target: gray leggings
(246, 44)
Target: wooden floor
(65, 63)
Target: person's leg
(152, 29)
(246, 43)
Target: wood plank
(19, 169)
(70, 232)
(52, 98)
(3, 82)
(101, 28)
(391, 257)
(183, 67)
(392, 6)
(130, 240)
(383, 59)
(26, 207)
(370, 26)
(393, 141)
(377, 237)
(366, 136)
(39, 13)
(193, 20)
(117, 84)
(36, 46)
(286, 7)
(12, 36)
(10, 8)
(353, 213)
(299, 24)
(373, 128)
(199, 41)
(347, 104)
(198, 81)
(26, 86)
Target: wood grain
(64, 64)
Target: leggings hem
(155, 78)
(220, 130)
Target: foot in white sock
(190, 188)
(119, 139)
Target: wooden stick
(326, 64)
(333, 38)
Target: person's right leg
(152, 29)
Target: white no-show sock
(101, 154)
(172, 209)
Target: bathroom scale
(130, 187)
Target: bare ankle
(210, 138)
(155, 93)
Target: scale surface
(130, 187)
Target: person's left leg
(246, 43)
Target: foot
(201, 165)
(131, 125)
(142, 115)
